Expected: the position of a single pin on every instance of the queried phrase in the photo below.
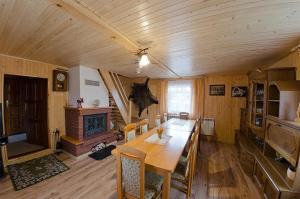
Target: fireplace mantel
(81, 137)
(89, 111)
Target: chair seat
(183, 160)
(179, 174)
(149, 193)
(153, 181)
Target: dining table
(163, 156)
(179, 124)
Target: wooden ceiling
(186, 37)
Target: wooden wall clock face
(60, 80)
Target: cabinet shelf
(274, 101)
(283, 99)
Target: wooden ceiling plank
(77, 10)
(226, 17)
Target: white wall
(74, 86)
(88, 92)
(92, 93)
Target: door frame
(23, 158)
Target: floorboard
(219, 175)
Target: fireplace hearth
(85, 128)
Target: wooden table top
(166, 156)
(179, 124)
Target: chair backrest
(144, 126)
(195, 149)
(130, 172)
(130, 131)
(189, 157)
(191, 161)
(184, 115)
(157, 120)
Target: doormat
(28, 173)
(102, 153)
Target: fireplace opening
(94, 124)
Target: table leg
(166, 186)
(119, 180)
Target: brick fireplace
(86, 127)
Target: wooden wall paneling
(56, 100)
(238, 102)
(225, 109)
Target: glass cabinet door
(258, 104)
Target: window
(179, 96)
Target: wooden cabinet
(247, 161)
(272, 142)
(259, 176)
(271, 182)
(264, 183)
(243, 123)
(285, 140)
(258, 98)
(270, 191)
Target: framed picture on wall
(217, 90)
(238, 91)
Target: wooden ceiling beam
(84, 14)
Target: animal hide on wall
(142, 97)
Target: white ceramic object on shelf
(290, 174)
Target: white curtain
(179, 96)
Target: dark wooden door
(13, 106)
(30, 96)
(35, 120)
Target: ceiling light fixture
(258, 70)
(144, 61)
(143, 57)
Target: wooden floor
(219, 176)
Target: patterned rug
(28, 173)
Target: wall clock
(60, 80)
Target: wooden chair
(132, 180)
(198, 130)
(130, 132)
(184, 172)
(157, 120)
(184, 115)
(144, 124)
(196, 147)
